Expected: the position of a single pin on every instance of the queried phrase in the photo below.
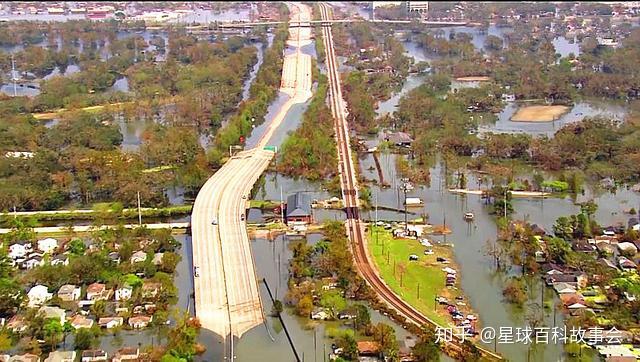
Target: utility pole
(139, 212)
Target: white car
(196, 271)
(214, 222)
(428, 252)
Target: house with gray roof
(298, 209)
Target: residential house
(561, 278)
(568, 299)
(69, 293)
(627, 247)
(400, 139)
(298, 210)
(150, 289)
(552, 269)
(138, 257)
(368, 348)
(605, 248)
(319, 314)
(48, 245)
(60, 259)
(27, 357)
(94, 355)
(91, 245)
(508, 97)
(114, 256)
(110, 322)
(97, 291)
(33, 262)
(140, 321)
(626, 264)
(608, 263)
(563, 288)
(79, 321)
(124, 293)
(157, 258)
(38, 295)
(61, 356)
(17, 324)
(19, 249)
(583, 246)
(53, 313)
(126, 354)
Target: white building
(69, 293)
(138, 257)
(110, 322)
(47, 245)
(38, 295)
(19, 250)
(33, 262)
(124, 293)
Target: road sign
(271, 148)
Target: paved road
(227, 298)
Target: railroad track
(348, 181)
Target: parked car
(428, 252)
(196, 271)
(241, 217)
(441, 259)
(413, 257)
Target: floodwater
(254, 71)
(390, 105)
(577, 113)
(131, 131)
(30, 89)
(481, 284)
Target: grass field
(539, 113)
(426, 272)
(54, 114)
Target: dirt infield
(539, 113)
(473, 79)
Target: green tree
(386, 336)
(363, 316)
(515, 291)
(558, 250)
(84, 339)
(427, 350)
(53, 333)
(333, 301)
(76, 247)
